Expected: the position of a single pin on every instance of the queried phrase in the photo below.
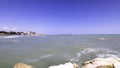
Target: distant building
(30, 33)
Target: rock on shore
(102, 63)
(22, 65)
(95, 63)
(66, 65)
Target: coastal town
(6, 33)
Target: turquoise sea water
(44, 51)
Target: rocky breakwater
(95, 63)
(66, 65)
(102, 63)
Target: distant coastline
(28, 33)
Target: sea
(45, 51)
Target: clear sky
(61, 16)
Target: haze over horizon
(61, 16)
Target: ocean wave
(101, 38)
(108, 56)
(91, 53)
(46, 56)
(97, 50)
(74, 59)
(37, 59)
(10, 36)
(31, 60)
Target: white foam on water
(95, 50)
(74, 59)
(37, 59)
(88, 50)
(101, 38)
(108, 56)
(15, 36)
(78, 55)
(31, 60)
(46, 56)
(98, 52)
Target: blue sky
(61, 16)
